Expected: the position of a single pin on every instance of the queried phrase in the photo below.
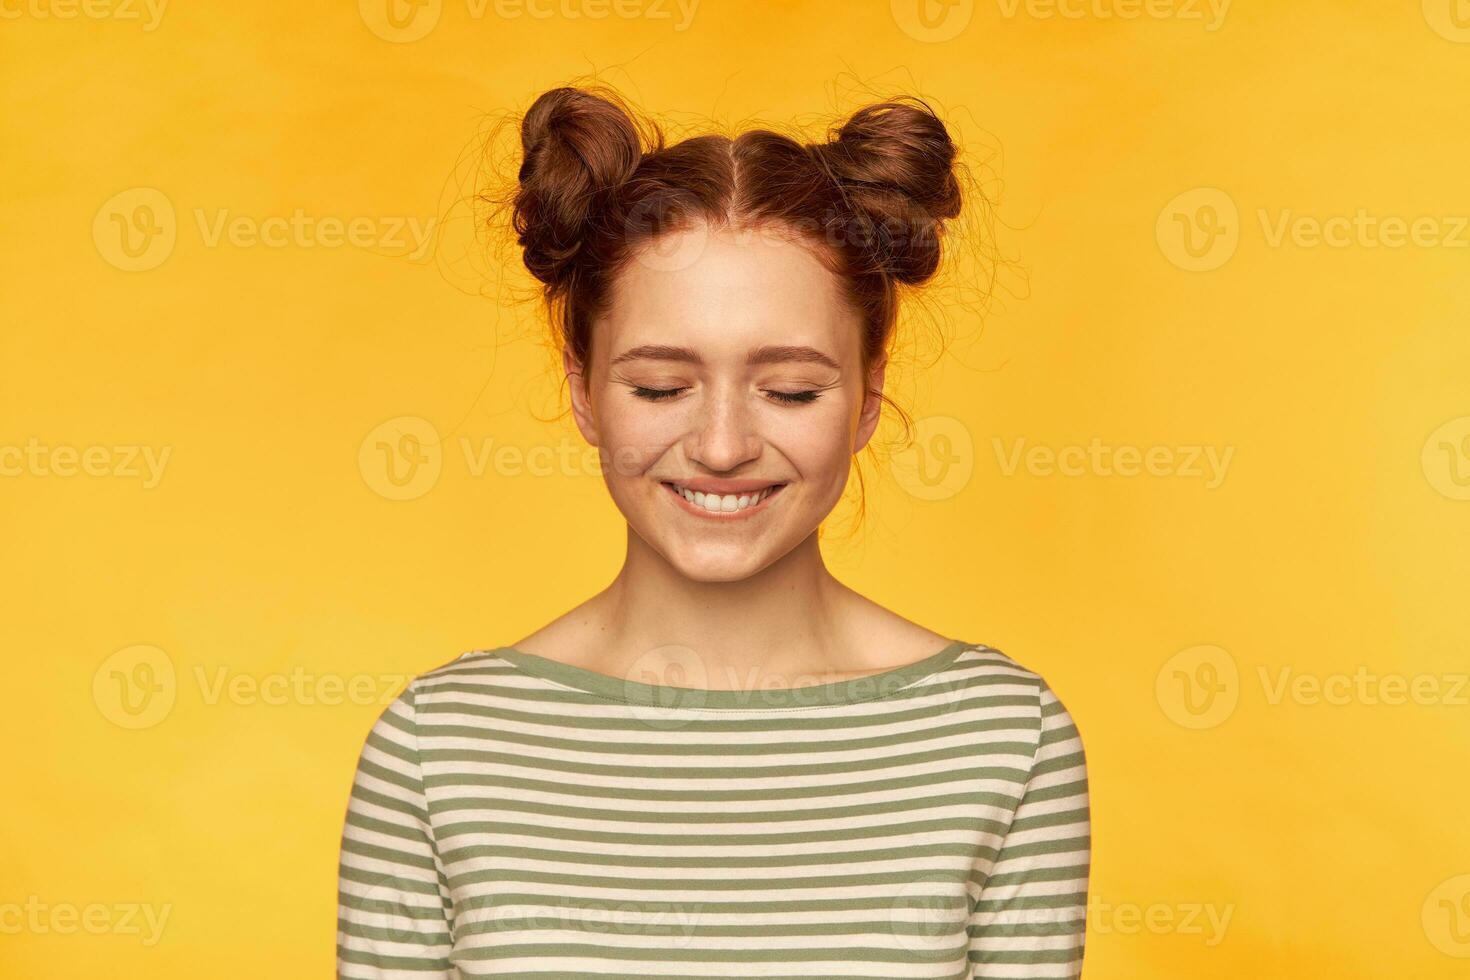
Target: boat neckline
(868, 687)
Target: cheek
(818, 442)
(634, 440)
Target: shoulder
(1009, 677)
(467, 668)
(468, 671)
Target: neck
(788, 618)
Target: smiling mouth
(723, 505)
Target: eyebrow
(769, 354)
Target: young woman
(726, 763)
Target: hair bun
(895, 163)
(576, 145)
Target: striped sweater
(515, 816)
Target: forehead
(723, 292)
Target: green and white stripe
(513, 816)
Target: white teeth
(723, 503)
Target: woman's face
(727, 364)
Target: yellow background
(1333, 835)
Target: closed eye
(656, 394)
(796, 397)
(785, 397)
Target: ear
(872, 405)
(581, 403)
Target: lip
(736, 515)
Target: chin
(718, 567)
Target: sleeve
(1030, 918)
(394, 915)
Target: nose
(724, 431)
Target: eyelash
(785, 397)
